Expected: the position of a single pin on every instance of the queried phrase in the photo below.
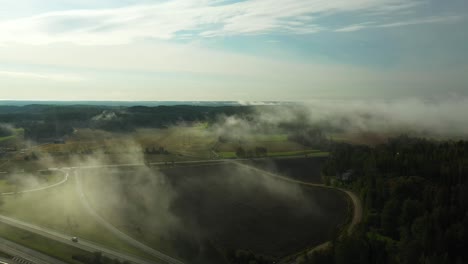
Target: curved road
(117, 232)
(357, 206)
(65, 238)
(65, 179)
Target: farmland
(215, 210)
(207, 210)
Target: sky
(249, 50)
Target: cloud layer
(180, 19)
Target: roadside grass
(60, 209)
(308, 153)
(44, 245)
(4, 255)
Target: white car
(74, 239)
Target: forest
(415, 196)
(45, 122)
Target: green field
(60, 209)
(189, 142)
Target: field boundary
(355, 201)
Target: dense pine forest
(415, 195)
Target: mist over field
(234, 132)
(444, 118)
(204, 184)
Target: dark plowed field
(221, 208)
(302, 169)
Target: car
(74, 239)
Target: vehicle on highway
(74, 239)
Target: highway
(25, 253)
(66, 239)
(83, 244)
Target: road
(357, 205)
(66, 239)
(65, 179)
(118, 233)
(164, 258)
(25, 253)
(202, 161)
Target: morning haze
(233, 132)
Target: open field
(60, 209)
(180, 143)
(218, 208)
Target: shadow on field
(204, 213)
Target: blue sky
(232, 50)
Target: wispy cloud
(40, 76)
(426, 20)
(192, 18)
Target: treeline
(156, 151)
(310, 136)
(415, 196)
(5, 132)
(52, 121)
